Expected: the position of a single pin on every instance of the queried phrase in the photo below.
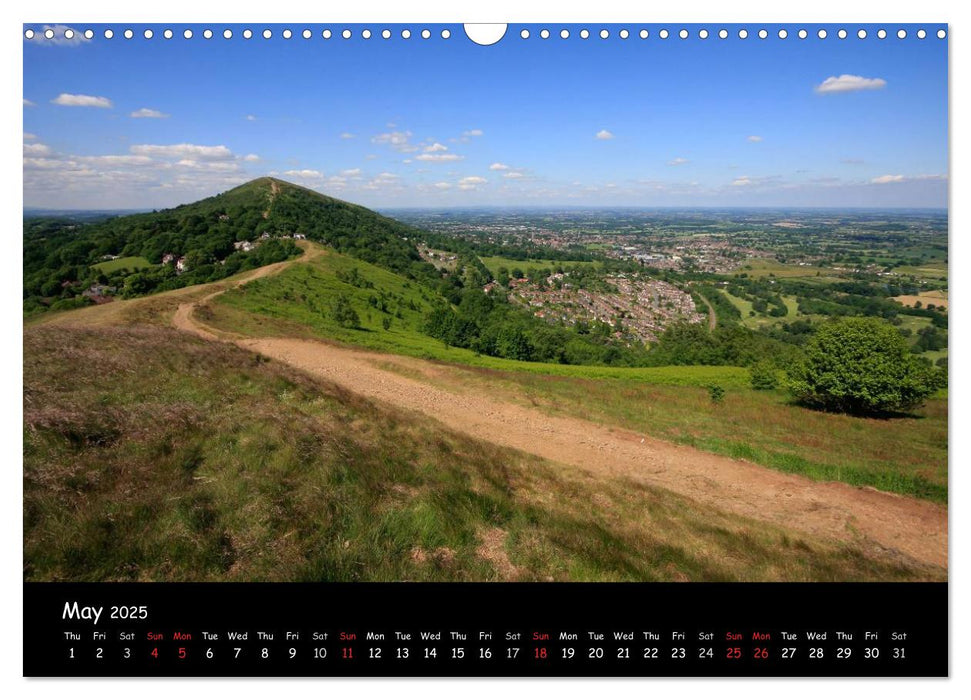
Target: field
(936, 297)
(150, 455)
(764, 267)
(129, 263)
(932, 272)
(494, 263)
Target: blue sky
(390, 123)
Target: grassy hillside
(298, 302)
(151, 455)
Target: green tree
(861, 366)
(344, 313)
(762, 376)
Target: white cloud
(604, 135)
(472, 132)
(115, 160)
(184, 150)
(68, 100)
(383, 181)
(760, 182)
(351, 172)
(251, 118)
(117, 178)
(471, 182)
(754, 139)
(435, 148)
(888, 179)
(28, 103)
(398, 140)
(514, 174)
(439, 157)
(29, 137)
(498, 166)
(678, 161)
(210, 165)
(304, 173)
(443, 185)
(849, 83)
(347, 135)
(36, 149)
(48, 164)
(146, 113)
(59, 38)
(251, 158)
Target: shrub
(716, 393)
(861, 366)
(386, 323)
(344, 313)
(763, 377)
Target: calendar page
(544, 350)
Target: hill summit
(67, 263)
(350, 228)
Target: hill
(247, 227)
(69, 265)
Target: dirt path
(274, 191)
(865, 517)
(712, 317)
(183, 320)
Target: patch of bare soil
(493, 550)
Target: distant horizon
(539, 207)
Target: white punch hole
(487, 34)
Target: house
(99, 293)
(168, 258)
(180, 265)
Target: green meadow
(134, 262)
